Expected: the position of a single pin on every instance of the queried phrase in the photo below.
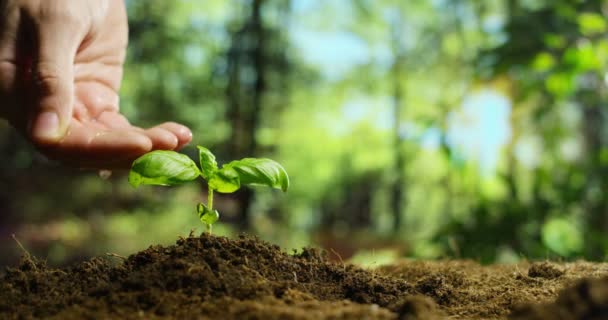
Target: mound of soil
(210, 277)
(588, 300)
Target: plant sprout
(169, 168)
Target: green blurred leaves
(543, 61)
(591, 23)
(560, 84)
(562, 236)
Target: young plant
(169, 168)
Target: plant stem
(209, 205)
(210, 198)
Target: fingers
(9, 18)
(167, 136)
(59, 35)
(183, 134)
(110, 142)
(89, 146)
(162, 139)
(114, 121)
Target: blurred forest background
(425, 129)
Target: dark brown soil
(211, 277)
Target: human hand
(61, 65)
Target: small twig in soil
(25, 252)
(63, 273)
(453, 245)
(295, 277)
(339, 257)
(20, 245)
(115, 255)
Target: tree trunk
(245, 116)
(398, 187)
(399, 164)
(597, 209)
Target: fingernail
(46, 126)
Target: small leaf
(592, 23)
(543, 61)
(207, 161)
(562, 236)
(264, 172)
(207, 216)
(164, 168)
(225, 180)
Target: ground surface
(211, 277)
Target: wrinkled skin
(61, 64)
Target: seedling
(169, 168)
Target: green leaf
(207, 216)
(555, 41)
(592, 23)
(560, 84)
(207, 161)
(562, 236)
(543, 61)
(225, 180)
(164, 168)
(263, 172)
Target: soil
(210, 277)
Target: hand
(60, 72)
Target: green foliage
(168, 168)
(562, 236)
(544, 61)
(592, 23)
(555, 61)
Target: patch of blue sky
(334, 52)
(379, 113)
(299, 6)
(481, 128)
(478, 130)
(375, 110)
(194, 55)
(334, 49)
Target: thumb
(53, 82)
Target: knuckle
(48, 79)
(7, 75)
(66, 13)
